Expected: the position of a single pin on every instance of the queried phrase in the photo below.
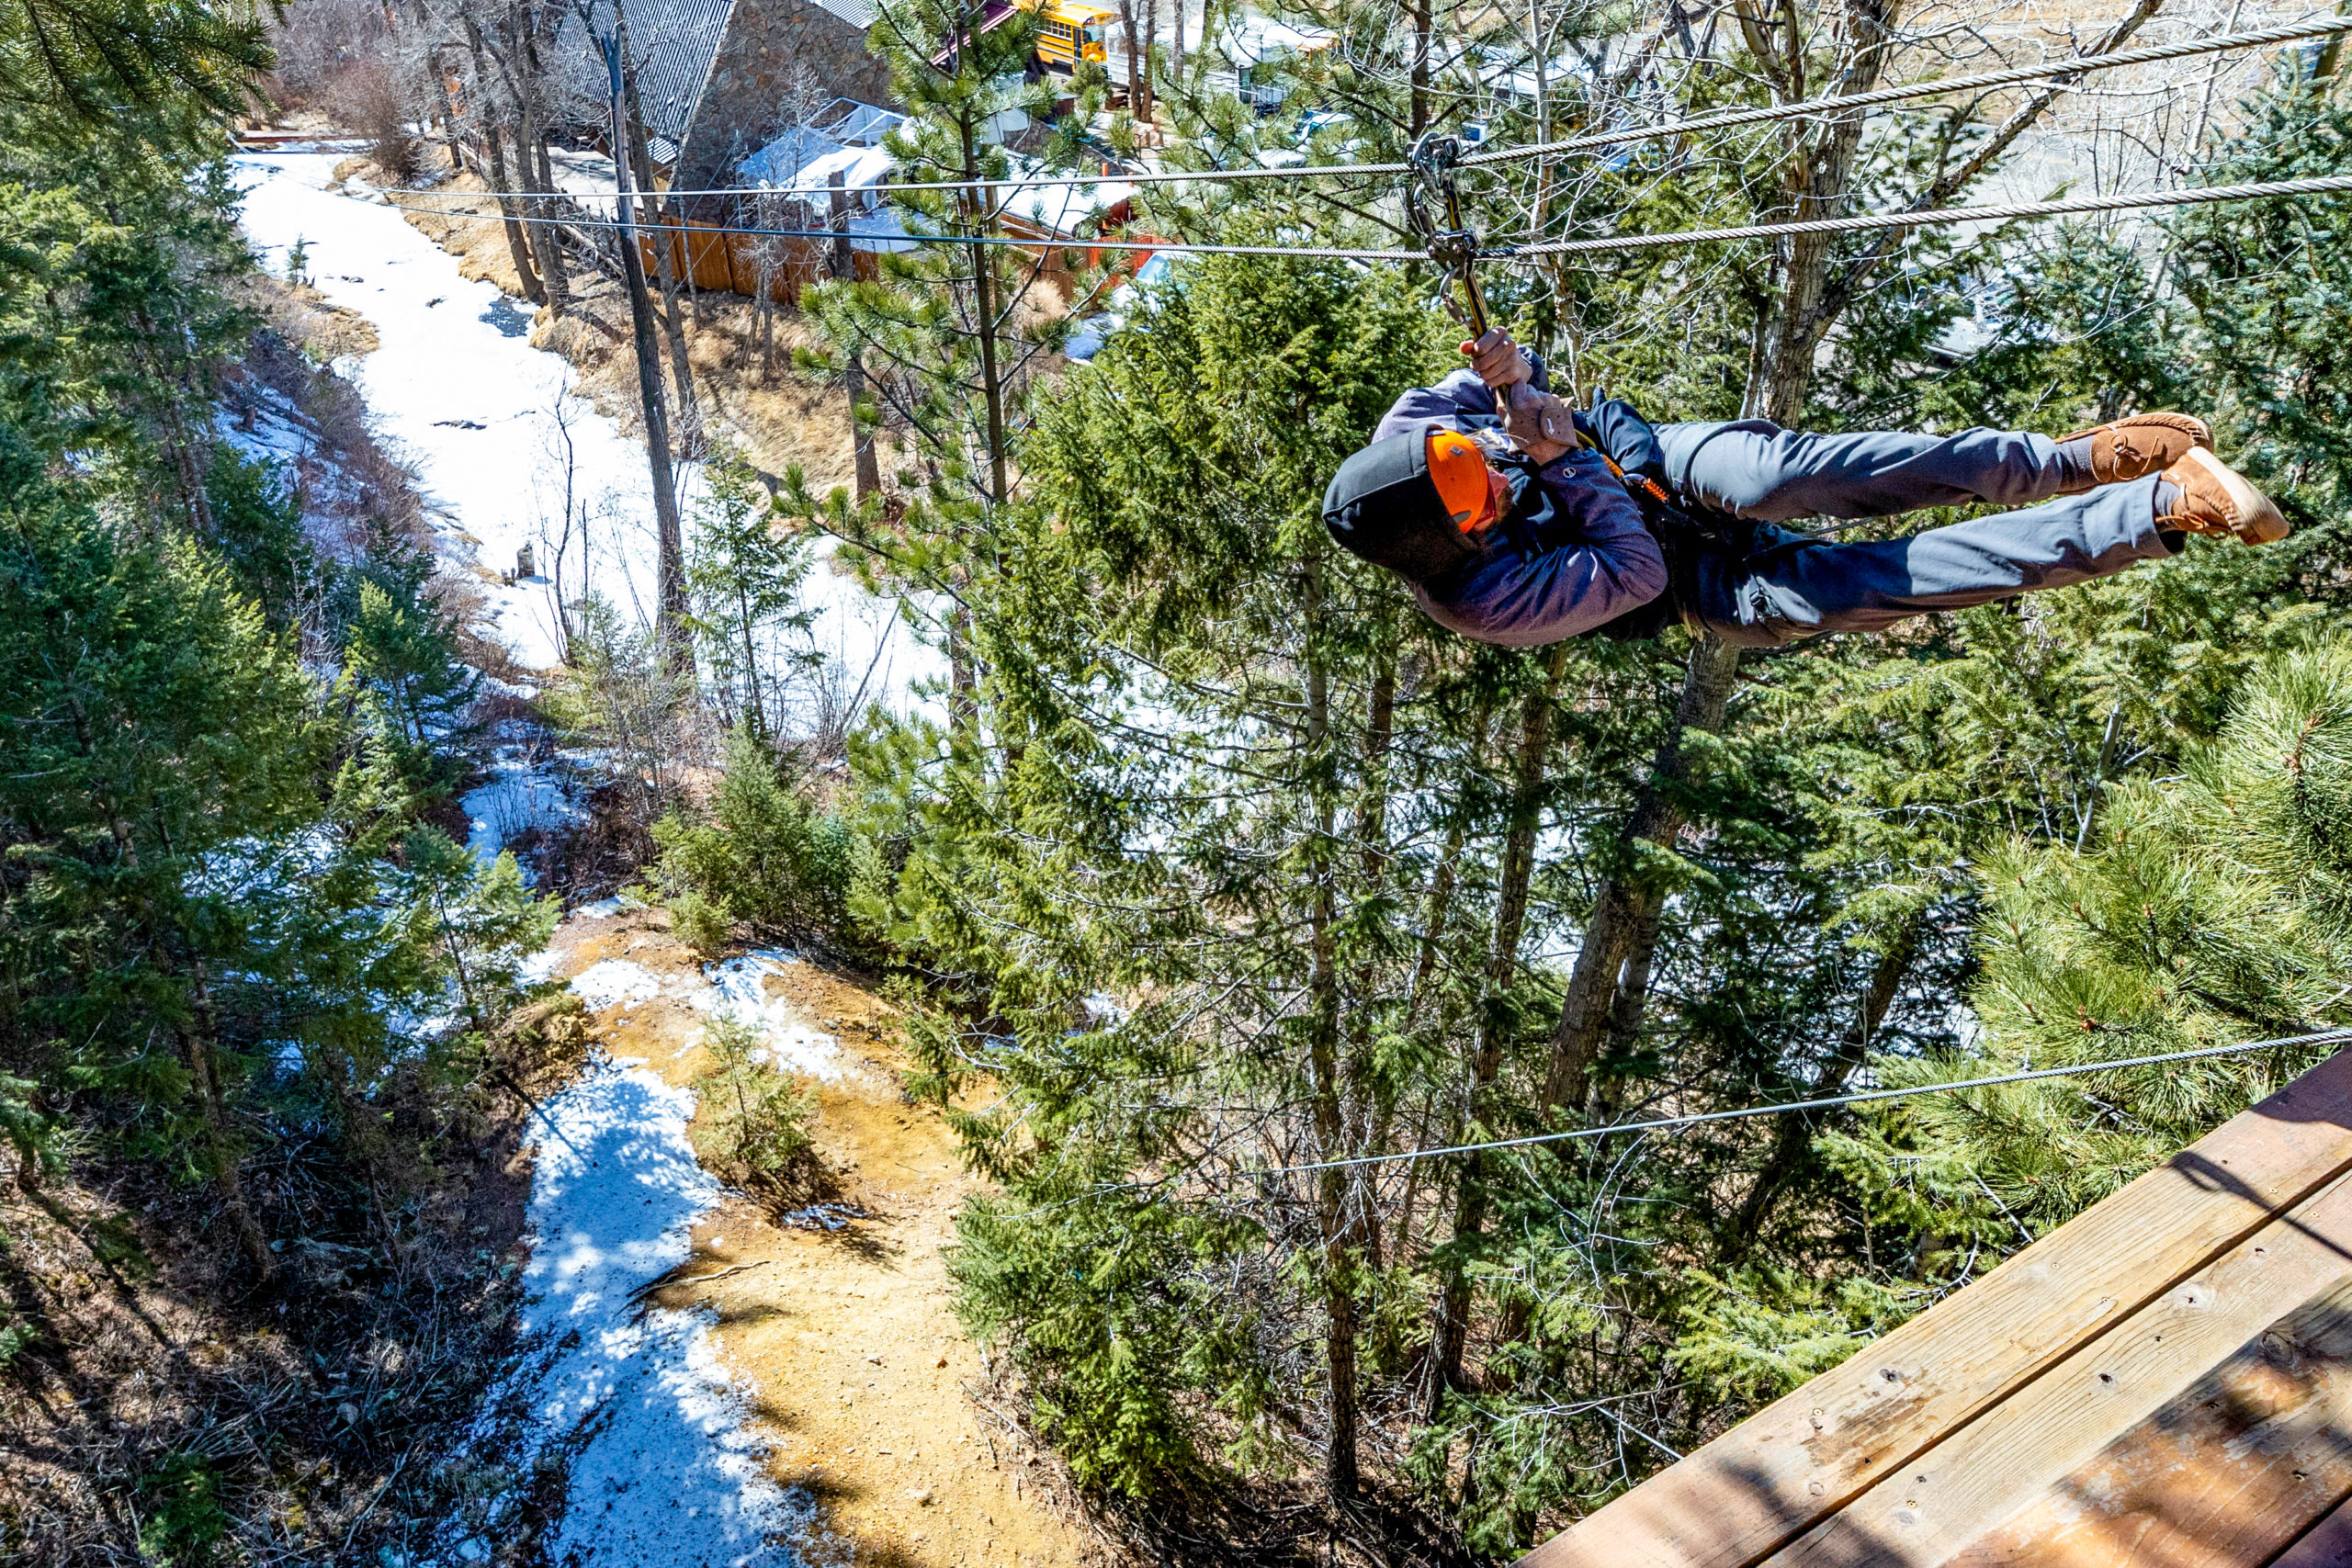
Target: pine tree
(1188, 707)
(158, 733)
(2210, 909)
(90, 57)
(761, 856)
(744, 572)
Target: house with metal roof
(717, 79)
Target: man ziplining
(1514, 528)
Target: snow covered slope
(495, 429)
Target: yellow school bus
(1069, 31)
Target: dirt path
(856, 1368)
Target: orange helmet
(1458, 468)
(1417, 502)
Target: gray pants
(1793, 586)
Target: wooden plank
(1939, 1500)
(2222, 1476)
(2327, 1544)
(1809, 1453)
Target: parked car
(1161, 269)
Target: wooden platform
(2164, 1381)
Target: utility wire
(1982, 81)
(2193, 195)
(2328, 185)
(1864, 1097)
(690, 231)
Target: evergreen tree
(92, 58)
(158, 734)
(2208, 909)
(1188, 707)
(762, 856)
(745, 574)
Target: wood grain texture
(2223, 1476)
(2016, 1452)
(1742, 1496)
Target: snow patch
(518, 798)
(616, 982)
(663, 1468)
(603, 908)
(506, 452)
(739, 990)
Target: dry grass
(306, 318)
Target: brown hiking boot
(2215, 499)
(2141, 445)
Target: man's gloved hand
(1498, 360)
(1537, 422)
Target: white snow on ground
(664, 1473)
(517, 798)
(739, 990)
(736, 989)
(611, 982)
(493, 427)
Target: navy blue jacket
(1601, 561)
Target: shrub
(755, 1132)
(367, 97)
(699, 923)
(761, 857)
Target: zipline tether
(1436, 160)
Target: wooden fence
(715, 255)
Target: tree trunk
(1608, 988)
(860, 439)
(673, 327)
(1816, 175)
(1793, 1136)
(1375, 1106)
(199, 1040)
(984, 310)
(517, 247)
(1150, 40)
(1623, 929)
(671, 568)
(1134, 66)
(1450, 1333)
(1424, 14)
(448, 110)
(1440, 903)
(1341, 1238)
(1842, 290)
(547, 244)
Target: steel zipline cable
(2129, 201)
(1861, 1097)
(1983, 81)
(693, 231)
(2328, 185)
